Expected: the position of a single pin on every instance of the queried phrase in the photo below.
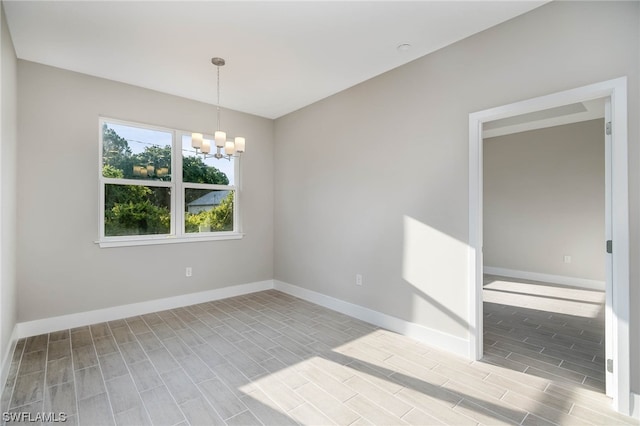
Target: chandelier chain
(218, 104)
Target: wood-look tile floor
(269, 358)
(545, 330)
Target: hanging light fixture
(231, 147)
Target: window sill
(166, 239)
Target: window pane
(135, 153)
(195, 169)
(136, 210)
(208, 210)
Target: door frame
(616, 90)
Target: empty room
(271, 213)
(544, 200)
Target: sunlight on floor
(275, 387)
(544, 297)
(360, 378)
(366, 378)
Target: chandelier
(231, 148)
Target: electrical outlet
(567, 258)
(358, 279)
(188, 271)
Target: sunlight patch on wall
(435, 265)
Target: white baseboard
(635, 405)
(548, 278)
(47, 325)
(7, 358)
(435, 338)
(418, 332)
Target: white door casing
(608, 231)
(617, 328)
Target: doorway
(544, 263)
(617, 280)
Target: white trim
(620, 257)
(547, 278)
(475, 259)
(8, 357)
(189, 185)
(635, 404)
(133, 182)
(47, 325)
(419, 332)
(609, 378)
(168, 239)
(616, 89)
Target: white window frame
(177, 187)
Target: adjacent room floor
(269, 358)
(545, 330)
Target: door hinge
(607, 128)
(610, 365)
(609, 246)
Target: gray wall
(374, 180)
(544, 199)
(8, 147)
(60, 269)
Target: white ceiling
(281, 56)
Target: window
(154, 188)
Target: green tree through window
(145, 208)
